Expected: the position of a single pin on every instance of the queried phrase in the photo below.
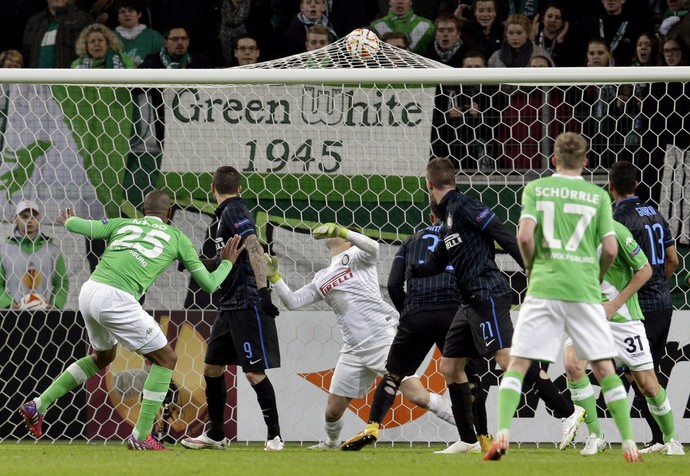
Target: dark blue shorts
(480, 328)
(245, 337)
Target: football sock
(660, 408)
(75, 375)
(547, 391)
(582, 394)
(333, 429)
(266, 397)
(640, 402)
(617, 402)
(216, 397)
(481, 423)
(440, 407)
(461, 400)
(384, 398)
(509, 392)
(155, 389)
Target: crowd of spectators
(561, 29)
(486, 33)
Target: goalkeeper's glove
(272, 268)
(329, 230)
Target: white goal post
(314, 145)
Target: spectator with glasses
(175, 53)
(674, 52)
(246, 50)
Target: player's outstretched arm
(292, 299)
(207, 281)
(333, 230)
(63, 216)
(329, 230)
(232, 250)
(272, 272)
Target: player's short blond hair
(570, 149)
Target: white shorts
(542, 322)
(113, 316)
(357, 370)
(633, 346)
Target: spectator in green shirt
(99, 47)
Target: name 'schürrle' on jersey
(572, 217)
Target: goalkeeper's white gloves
(272, 268)
(329, 230)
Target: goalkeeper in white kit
(350, 286)
(138, 251)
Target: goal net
(318, 137)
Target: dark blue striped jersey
(651, 231)
(239, 290)
(435, 292)
(469, 230)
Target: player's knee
(502, 357)
(213, 370)
(255, 378)
(103, 358)
(453, 370)
(572, 365)
(648, 384)
(165, 357)
(391, 383)
(573, 371)
(333, 414)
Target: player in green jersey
(563, 221)
(628, 273)
(139, 250)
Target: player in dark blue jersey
(427, 308)
(244, 332)
(651, 231)
(482, 324)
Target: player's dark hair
(435, 211)
(440, 171)
(623, 177)
(226, 180)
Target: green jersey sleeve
(208, 281)
(91, 228)
(605, 225)
(140, 249)
(630, 259)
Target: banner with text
(298, 129)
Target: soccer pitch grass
(113, 459)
